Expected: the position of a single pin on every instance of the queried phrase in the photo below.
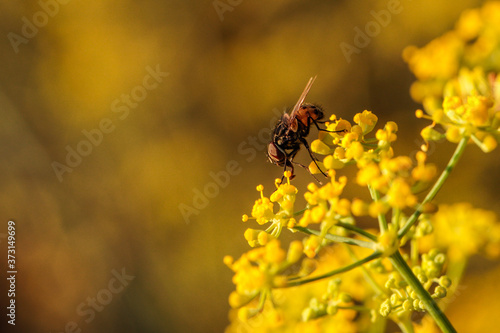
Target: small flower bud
(391, 283)
(445, 281)
(331, 309)
(440, 292)
(407, 305)
(394, 299)
(385, 308)
(345, 298)
(333, 285)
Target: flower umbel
(391, 250)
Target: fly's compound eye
(275, 155)
(272, 151)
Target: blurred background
(116, 118)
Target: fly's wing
(302, 98)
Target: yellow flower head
(463, 231)
(263, 208)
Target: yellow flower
(423, 172)
(439, 59)
(366, 120)
(359, 207)
(367, 174)
(463, 231)
(312, 245)
(470, 24)
(263, 208)
(400, 195)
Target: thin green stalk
(396, 217)
(357, 230)
(430, 305)
(344, 269)
(381, 217)
(437, 186)
(414, 252)
(339, 239)
(405, 326)
(366, 273)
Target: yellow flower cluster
(378, 168)
(263, 212)
(458, 80)
(326, 205)
(293, 305)
(403, 298)
(418, 249)
(462, 231)
(259, 270)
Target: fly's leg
(312, 156)
(305, 167)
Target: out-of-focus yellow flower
(462, 231)
(286, 315)
(423, 172)
(400, 195)
(427, 325)
(437, 60)
(458, 78)
(312, 246)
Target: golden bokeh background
(222, 67)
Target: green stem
(357, 230)
(338, 239)
(414, 251)
(344, 269)
(430, 305)
(381, 217)
(369, 278)
(437, 186)
(405, 326)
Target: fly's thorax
(308, 112)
